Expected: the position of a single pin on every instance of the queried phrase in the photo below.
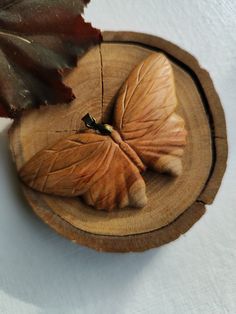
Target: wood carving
(103, 165)
(173, 206)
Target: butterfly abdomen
(129, 152)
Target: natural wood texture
(167, 198)
(173, 205)
(88, 165)
(144, 115)
(105, 168)
(207, 91)
(59, 121)
(130, 243)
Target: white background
(40, 272)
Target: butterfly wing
(144, 115)
(87, 164)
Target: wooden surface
(173, 206)
(106, 169)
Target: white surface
(41, 272)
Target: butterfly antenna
(90, 123)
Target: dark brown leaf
(38, 40)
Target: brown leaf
(38, 40)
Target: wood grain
(204, 84)
(104, 170)
(172, 206)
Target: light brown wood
(173, 205)
(89, 165)
(132, 243)
(104, 169)
(209, 95)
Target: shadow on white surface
(41, 268)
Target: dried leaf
(38, 40)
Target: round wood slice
(174, 205)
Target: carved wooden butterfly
(103, 165)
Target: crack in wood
(102, 84)
(201, 202)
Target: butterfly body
(131, 154)
(104, 165)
